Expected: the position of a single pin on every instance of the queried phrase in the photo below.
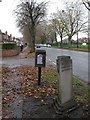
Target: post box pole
(39, 75)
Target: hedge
(73, 45)
(8, 46)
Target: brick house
(83, 40)
(4, 37)
(80, 40)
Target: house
(0, 36)
(83, 40)
(66, 40)
(80, 40)
(4, 37)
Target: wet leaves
(22, 82)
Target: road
(80, 61)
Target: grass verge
(75, 49)
(81, 91)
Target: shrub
(8, 46)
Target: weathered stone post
(64, 101)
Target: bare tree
(58, 25)
(26, 35)
(86, 3)
(71, 19)
(28, 15)
(41, 33)
(51, 32)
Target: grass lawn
(81, 47)
(75, 49)
(81, 91)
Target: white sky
(7, 20)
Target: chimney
(6, 32)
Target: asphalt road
(80, 61)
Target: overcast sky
(7, 20)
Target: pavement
(17, 60)
(26, 107)
(29, 107)
(34, 108)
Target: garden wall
(9, 53)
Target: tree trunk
(61, 41)
(32, 43)
(55, 37)
(69, 41)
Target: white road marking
(52, 61)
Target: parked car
(44, 45)
(48, 45)
(37, 46)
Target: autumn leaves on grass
(28, 77)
